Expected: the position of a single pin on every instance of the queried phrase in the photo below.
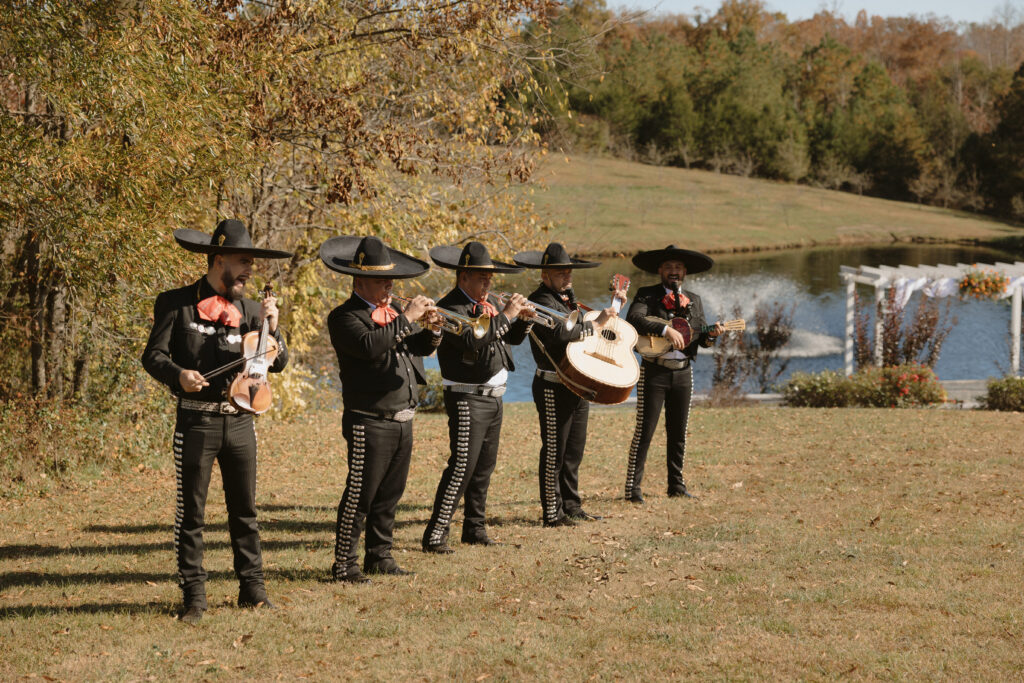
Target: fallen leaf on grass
(151, 583)
(482, 677)
(205, 662)
(738, 485)
(651, 584)
(63, 632)
(695, 587)
(289, 650)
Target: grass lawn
(605, 206)
(869, 543)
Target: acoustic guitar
(651, 346)
(601, 367)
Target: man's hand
(192, 380)
(517, 305)
(268, 311)
(620, 294)
(676, 338)
(716, 330)
(606, 315)
(418, 307)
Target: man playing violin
(668, 379)
(381, 367)
(474, 368)
(563, 415)
(196, 329)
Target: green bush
(1004, 394)
(902, 386)
(432, 394)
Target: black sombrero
(555, 256)
(694, 261)
(473, 256)
(369, 257)
(230, 237)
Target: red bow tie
(485, 307)
(669, 302)
(382, 315)
(219, 310)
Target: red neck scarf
(485, 306)
(217, 309)
(382, 315)
(669, 302)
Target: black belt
(549, 376)
(221, 408)
(400, 416)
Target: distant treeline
(906, 108)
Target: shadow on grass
(28, 611)
(14, 579)
(18, 552)
(265, 525)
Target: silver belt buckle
(404, 415)
(225, 408)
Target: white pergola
(934, 281)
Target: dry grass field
(605, 206)
(825, 543)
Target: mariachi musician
(474, 368)
(381, 367)
(196, 329)
(563, 415)
(668, 379)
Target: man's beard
(228, 280)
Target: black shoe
(441, 548)
(583, 516)
(191, 615)
(681, 493)
(387, 566)
(480, 540)
(353, 575)
(636, 497)
(561, 521)
(255, 597)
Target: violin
(249, 390)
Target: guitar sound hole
(609, 335)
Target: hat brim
(199, 243)
(448, 257)
(337, 254)
(695, 261)
(532, 259)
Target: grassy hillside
(877, 543)
(606, 206)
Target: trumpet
(456, 322)
(548, 317)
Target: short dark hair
(209, 260)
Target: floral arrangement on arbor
(983, 284)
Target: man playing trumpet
(379, 357)
(474, 367)
(563, 415)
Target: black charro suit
(563, 415)
(474, 416)
(381, 368)
(182, 340)
(660, 385)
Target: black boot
(254, 595)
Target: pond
(977, 347)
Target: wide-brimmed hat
(473, 256)
(369, 257)
(230, 237)
(694, 261)
(555, 256)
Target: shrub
(902, 386)
(432, 393)
(1004, 394)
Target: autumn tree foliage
(900, 107)
(124, 119)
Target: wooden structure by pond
(935, 281)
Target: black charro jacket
(181, 340)
(555, 340)
(648, 302)
(381, 366)
(467, 360)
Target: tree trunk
(37, 309)
(56, 324)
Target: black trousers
(474, 428)
(199, 439)
(563, 433)
(379, 452)
(673, 389)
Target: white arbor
(934, 281)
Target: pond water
(977, 347)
